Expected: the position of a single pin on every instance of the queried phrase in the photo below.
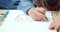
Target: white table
(24, 23)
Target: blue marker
(3, 15)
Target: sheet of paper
(17, 21)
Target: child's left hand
(56, 23)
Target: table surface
(17, 21)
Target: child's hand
(56, 23)
(37, 13)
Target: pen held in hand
(45, 18)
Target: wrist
(30, 10)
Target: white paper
(24, 23)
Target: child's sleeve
(25, 5)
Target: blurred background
(9, 4)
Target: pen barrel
(39, 3)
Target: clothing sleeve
(8, 4)
(25, 5)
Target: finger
(56, 27)
(41, 10)
(36, 18)
(39, 14)
(52, 26)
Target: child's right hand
(37, 13)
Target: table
(17, 21)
